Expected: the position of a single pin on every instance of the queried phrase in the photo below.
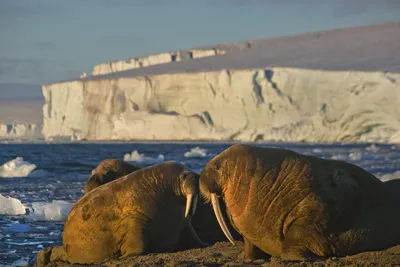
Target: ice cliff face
(151, 60)
(21, 131)
(281, 104)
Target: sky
(43, 41)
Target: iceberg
(11, 206)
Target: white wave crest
(390, 176)
(137, 157)
(57, 210)
(196, 152)
(16, 168)
(11, 206)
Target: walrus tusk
(191, 204)
(220, 218)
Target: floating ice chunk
(16, 168)
(137, 157)
(339, 157)
(11, 206)
(196, 152)
(356, 155)
(55, 211)
(390, 176)
(372, 148)
(317, 150)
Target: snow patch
(16, 168)
(57, 210)
(11, 206)
(135, 156)
(196, 152)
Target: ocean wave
(135, 156)
(16, 168)
(196, 152)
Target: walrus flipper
(253, 252)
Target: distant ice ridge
(57, 210)
(196, 152)
(135, 156)
(11, 206)
(16, 168)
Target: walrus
(108, 170)
(393, 185)
(204, 222)
(147, 211)
(298, 207)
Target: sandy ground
(225, 254)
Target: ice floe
(11, 206)
(196, 152)
(135, 156)
(16, 168)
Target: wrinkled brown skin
(300, 207)
(108, 170)
(140, 213)
(204, 221)
(51, 254)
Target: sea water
(39, 183)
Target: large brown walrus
(293, 206)
(140, 213)
(204, 221)
(108, 170)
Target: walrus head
(107, 171)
